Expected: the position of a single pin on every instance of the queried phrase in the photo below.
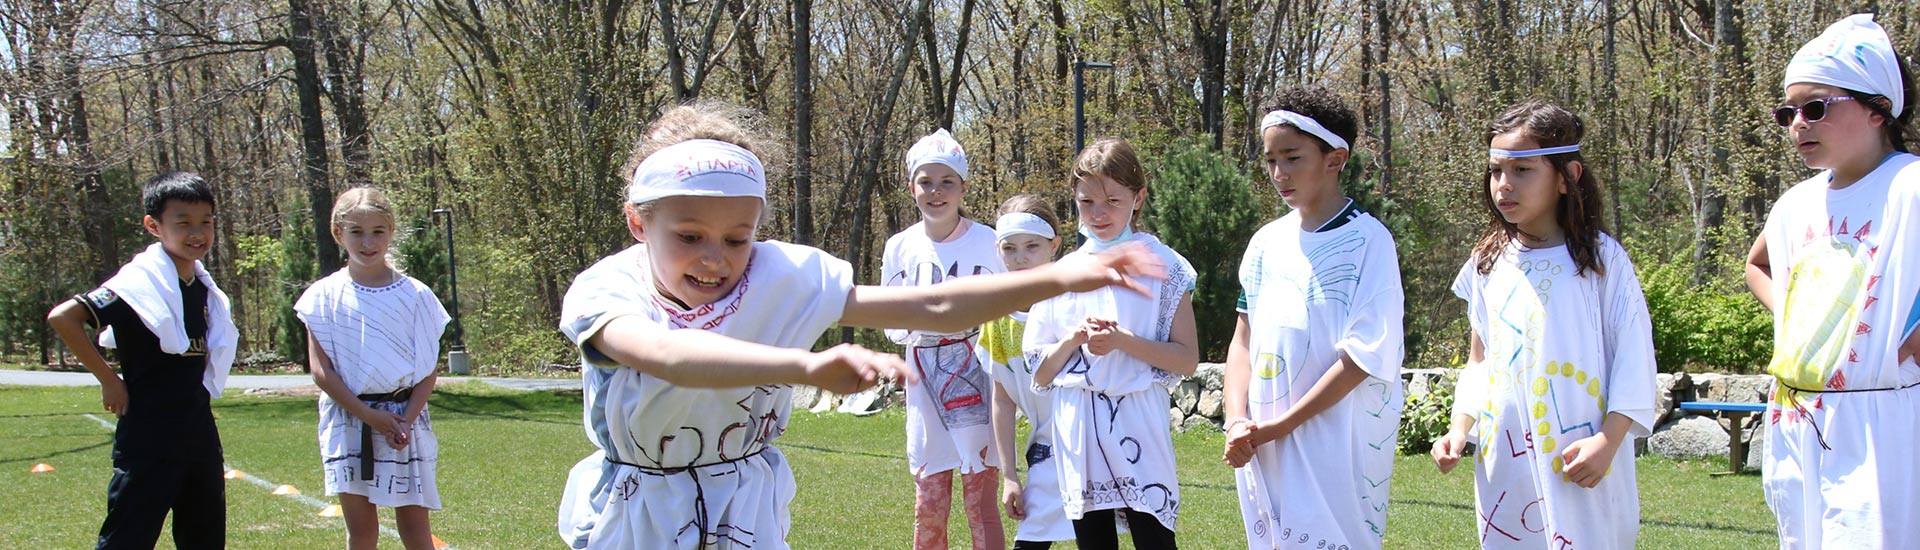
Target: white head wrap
(1854, 53)
(1541, 152)
(938, 147)
(1305, 124)
(1021, 223)
(698, 168)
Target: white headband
(1854, 53)
(1022, 223)
(937, 148)
(1541, 152)
(1305, 124)
(698, 168)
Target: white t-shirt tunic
(1312, 297)
(1839, 469)
(691, 467)
(380, 340)
(1113, 443)
(1010, 367)
(1563, 350)
(949, 411)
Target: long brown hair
(1578, 212)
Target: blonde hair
(706, 119)
(1031, 204)
(362, 200)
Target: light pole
(1080, 101)
(456, 354)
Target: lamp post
(456, 354)
(1080, 101)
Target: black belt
(401, 395)
(700, 515)
(1793, 399)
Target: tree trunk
(1383, 39)
(346, 90)
(1729, 58)
(802, 39)
(869, 158)
(313, 133)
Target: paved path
(243, 382)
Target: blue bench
(1736, 414)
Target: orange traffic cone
(437, 543)
(235, 474)
(286, 490)
(331, 511)
(41, 468)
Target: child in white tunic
(1027, 239)
(1109, 358)
(1561, 371)
(1312, 389)
(374, 338)
(1838, 263)
(948, 414)
(692, 340)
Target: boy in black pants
(175, 339)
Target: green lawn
(504, 457)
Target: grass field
(505, 455)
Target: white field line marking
(315, 503)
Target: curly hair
(1324, 107)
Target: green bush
(1701, 328)
(296, 272)
(1201, 207)
(1427, 416)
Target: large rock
(1704, 382)
(1424, 381)
(804, 397)
(1176, 419)
(1212, 404)
(1747, 388)
(1197, 422)
(1212, 376)
(1667, 387)
(1186, 394)
(1690, 437)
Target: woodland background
(517, 116)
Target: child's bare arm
(1331, 388)
(701, 359)
(1056, 357)
(969, 302)
(418, 402)
(1760, 272)
(69, 320)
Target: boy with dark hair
(174, 337)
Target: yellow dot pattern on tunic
(1549, 445)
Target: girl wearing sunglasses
(1839, 265)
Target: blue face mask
(1126, 234)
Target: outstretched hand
(848, 368)
(1121, 266)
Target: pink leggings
(933, 500)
